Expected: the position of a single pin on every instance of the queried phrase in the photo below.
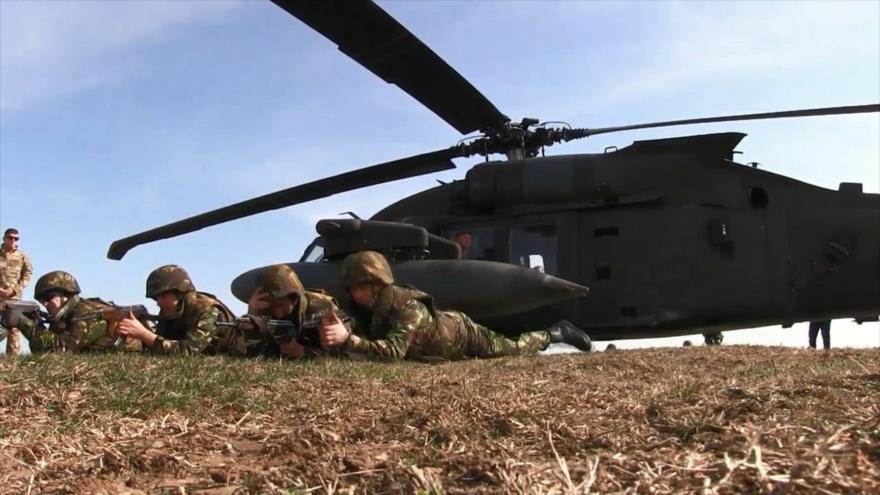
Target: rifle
(113, 314)
(30, 308)
(26, 307)
(285, 331)
(116, 313)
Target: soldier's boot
(565, 332)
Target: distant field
(728, 420)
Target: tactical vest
(389, 301)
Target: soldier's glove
(11, 318)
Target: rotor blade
(376, 174)
(374, 39)
(579, 133)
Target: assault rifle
(30, 308)
(26, 307)
(285, 331)
(113, 313)
(116, 313)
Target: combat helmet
(279, 281)
(58, 280)
(168, 277)
(366, 267)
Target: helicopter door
(539, 242)
(535, 246)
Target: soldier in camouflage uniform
(279, 295)
(72, 325)
(187, 318)
(398, 322)
(15, 273)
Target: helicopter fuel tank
(482, 289)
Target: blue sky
(120, 116)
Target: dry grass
(725, 420)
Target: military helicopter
(672, 236)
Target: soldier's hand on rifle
(333, 332)
(259, 302)
(132, 327)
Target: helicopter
(671, 235)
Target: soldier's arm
(402, 327)
(27, 270)
(39, 338)
(197, 338)
(84, 334)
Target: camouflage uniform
(403, 324)
(68, 331)
(281, 281)
(192, 329)
(15, 273)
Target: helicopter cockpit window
(476, 243)
(534, 246)
(314, 253)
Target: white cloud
(759, 43)
(55, 48)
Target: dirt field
(725, 420)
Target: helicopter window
(536, 261)
(476, 243)
(534, 246)
(314, 253)
(758, 197)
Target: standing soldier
(76, 324)
(187, 318)
(397, 322)
(15, 273)
(825, 327)
(280, 296)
